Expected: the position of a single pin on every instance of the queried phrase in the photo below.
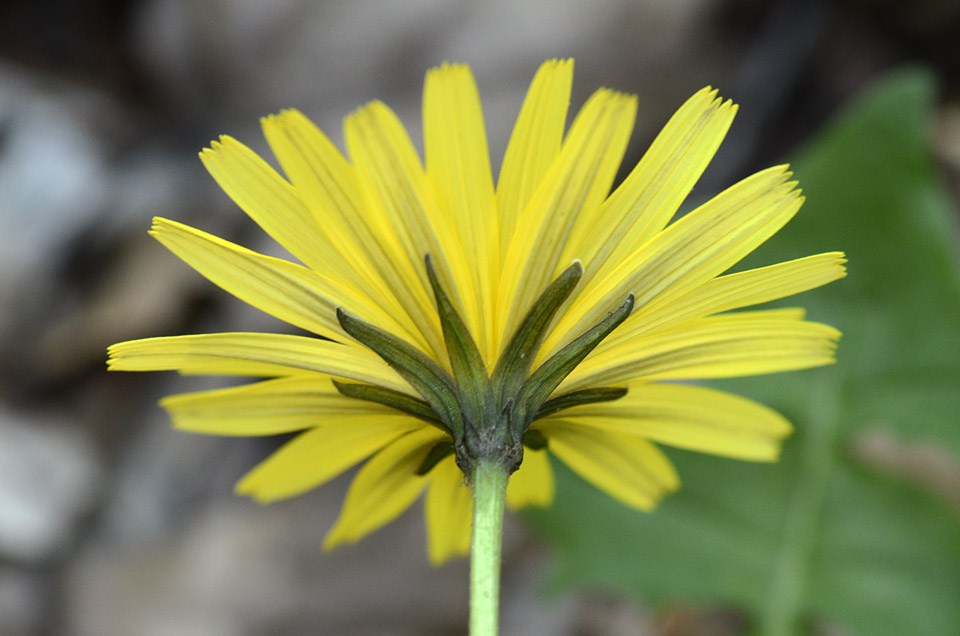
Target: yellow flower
(538, 315)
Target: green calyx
(488, 416)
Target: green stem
(791, 575)
(489, 496)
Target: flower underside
(534, 317)
(487, 416)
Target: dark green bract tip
(426, 376)
(439, 452)
(517, 358)
(389, 397)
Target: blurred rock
(74, 189)
(24, 602)
(258, 571)
(51, 176)
(698, 620)
(164, 476)
(525, 607)
(946, 138)
(242, 60)
(49, 478)
(145, 290)
(924, 463)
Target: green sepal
(577, 398)
(517, 358)
(439, 452)
(470, 373)
(389, 397)
(428, 378)
(551, 373)
(535, 440)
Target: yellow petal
(270, 201)
(267, 408)
(532, 484)
(393, 179)
(627, 467)
(733, 291)
(384, 487)
(578, 181)
(691, 417)
(791, 314)
(293, 293)
(328, 185)
(317, 456)
(253, 354)
(534, 143)
(458, 165)
(698, 247)
(650, 196)
(323, 179)
(715, 347)
(448, 509)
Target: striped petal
(276, 406)
(458, 165)
(253, 354)
(386, 486)
(717, 347)
(650, 196)
(317, 456)
(394, 180)
(534, 143)
(293, 293)
(627, 467)
(733, 291)
(578, 181)
(691, 417)
(328, 184)
(448, 509)
(532, 484)
(699, 246)
(272, 203)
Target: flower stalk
(489, 483)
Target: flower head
(465, 320)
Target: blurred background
(111, 524)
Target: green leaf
(886, 559)
(822, 541)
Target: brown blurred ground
(113, 525)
